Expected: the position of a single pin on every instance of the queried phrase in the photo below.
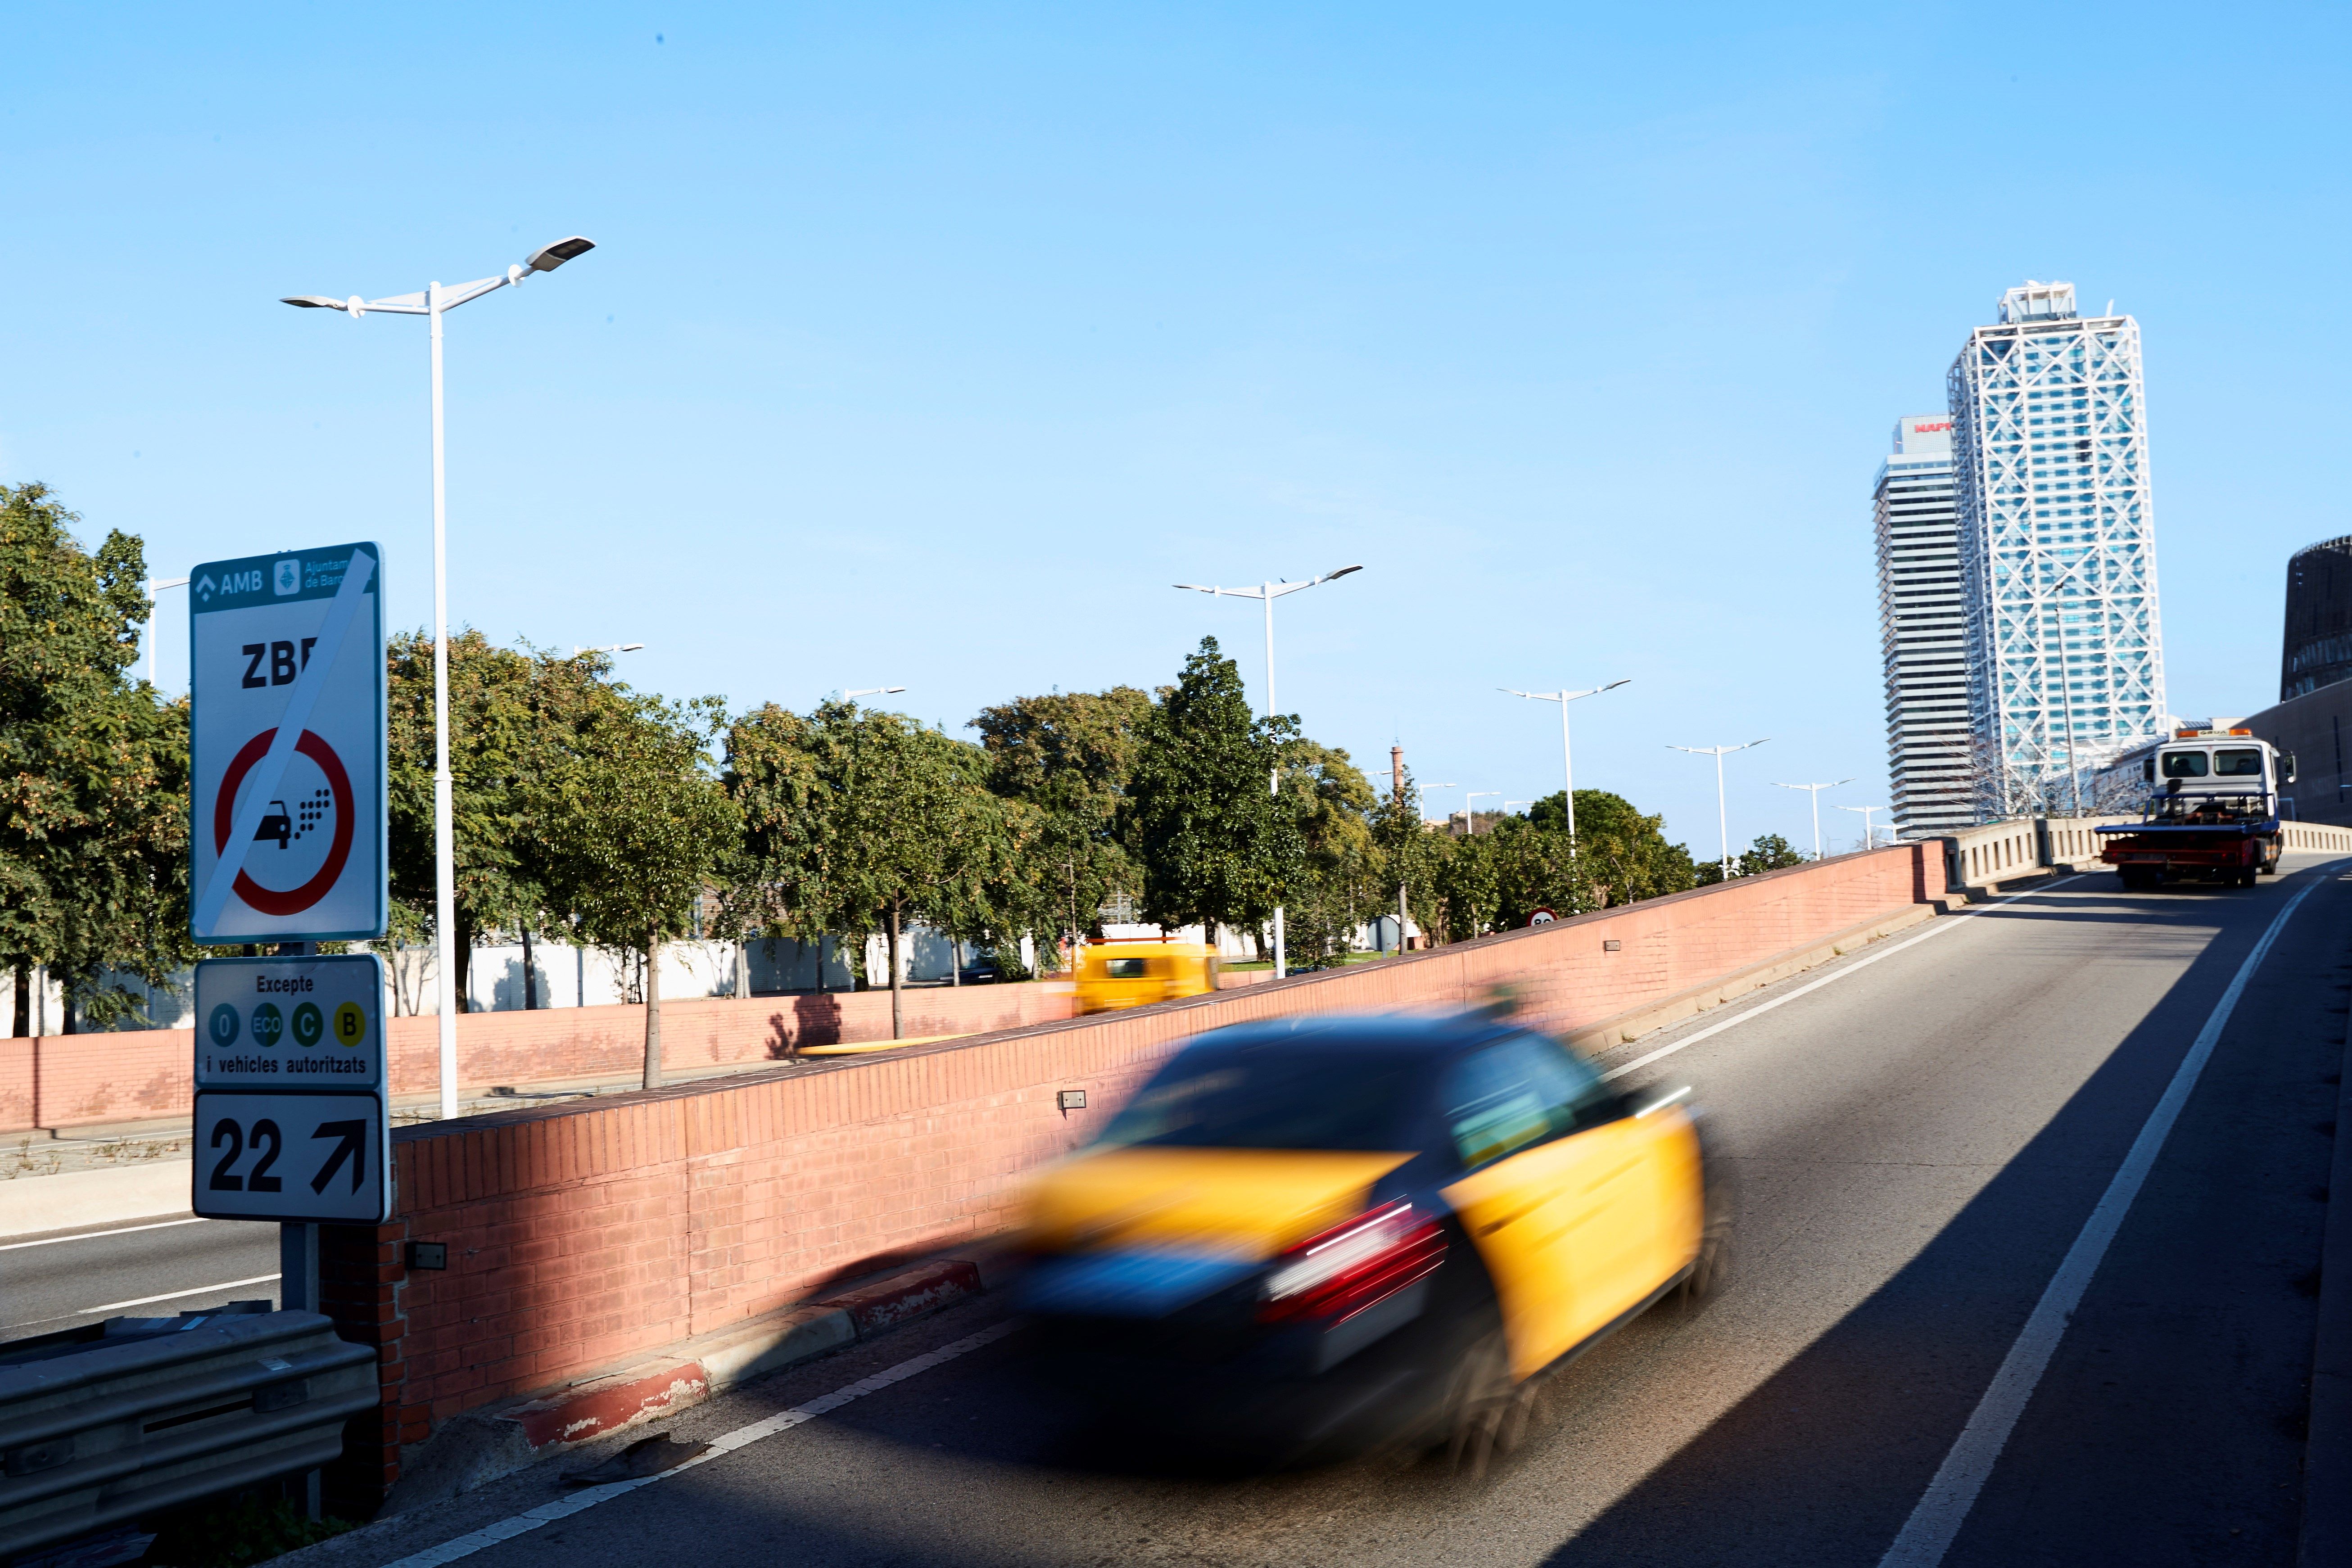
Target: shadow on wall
(815, 1020)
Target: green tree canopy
(1341, 880)
(93, 768)
(1213, 846)
(634, 829)
(1069, 756)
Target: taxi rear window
(1123, 968)
(1257, 1097)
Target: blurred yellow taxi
(1310, 1235)
(1115, 974)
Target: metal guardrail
(96, 1430)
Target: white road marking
(94, 1235)
(743, 1437)
(1950, 923)
(179, 1295)
(1933, 1523)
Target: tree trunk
(653, 1012)
(461, 951)
(529, 985)
(897, 1030)
(23, 975)
(955, 961)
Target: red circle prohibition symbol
(295, 901)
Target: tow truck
(2214, 815)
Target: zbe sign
(288, 735)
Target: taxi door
(1523, 1197)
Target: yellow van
(1116, 975)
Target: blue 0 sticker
(224, 1025)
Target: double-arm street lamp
(1470, 809)
(1814, 790)
(1567, 752)
(852, 696)
(1269, 593)
(1868, 841)
(609, 647)
(433, 302)
(1722, 815)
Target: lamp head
(548, 257)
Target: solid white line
(178, 1295)
(1936, 929)
(94, 1235)
(743, 1437)
(1929, 1533)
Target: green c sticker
(308, 1024)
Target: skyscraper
(2057, 547)
(1923, 629)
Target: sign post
(288, 846)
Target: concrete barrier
(81, 1080)
(586, 1238)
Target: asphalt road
(1919, 1144)
(67, 1279)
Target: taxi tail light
(1352, 1265)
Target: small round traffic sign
(291, 900)
(351, 1025)
(268, 1024)
(223, 1026)
(308, 1024)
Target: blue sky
(928, 345)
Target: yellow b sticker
(351, 1025)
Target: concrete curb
(2327, 1443)
(480, 1446)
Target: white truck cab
(2218, 771)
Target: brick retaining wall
(582, 1236)
(81, 1080)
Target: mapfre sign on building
(286, 694)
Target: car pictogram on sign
(278, 826)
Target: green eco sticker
(268, 1024)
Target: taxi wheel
(1485, 1414)
(1711, 1269)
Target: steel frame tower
(2057, 547)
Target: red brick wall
(584, 1234)
(79, 1080)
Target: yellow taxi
(1306, 1237)
(1114, 974)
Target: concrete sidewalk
(2327, 1451)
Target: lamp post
(1269, 593)
(1868, 842)
(1470, 810)
(1722, 815)
(1815, 791)
(852, 696)
(1566, 754)
(154, 586)
(609, 647)
(433, 302)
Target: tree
(1623, 855)
(635, 828)
(1213, 846)
(1069, 756)
(854, 819)
(1341, 880)
(93, 768)
(1771, 852)
(1410, 857)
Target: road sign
(290, 1023)
(294, 1157)
(286, 691)
(290, 1121)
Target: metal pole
(1722, 816)
(445, 847)
(1568, 769)
(1816, 793)
(1274, 779)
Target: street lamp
(1270, 592)
(433, 302)
(1868, 842)
(1567, 755)
(1815, 791)
(154, 586)
(1722, 816)
(1470, 809)
(609, 647)
(871, 691)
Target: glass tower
(1922, 630)
(2057, 548)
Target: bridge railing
(1984, 858)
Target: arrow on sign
(354, 1148)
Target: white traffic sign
(300, 1158)
(287, 720)
(290, 1024)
